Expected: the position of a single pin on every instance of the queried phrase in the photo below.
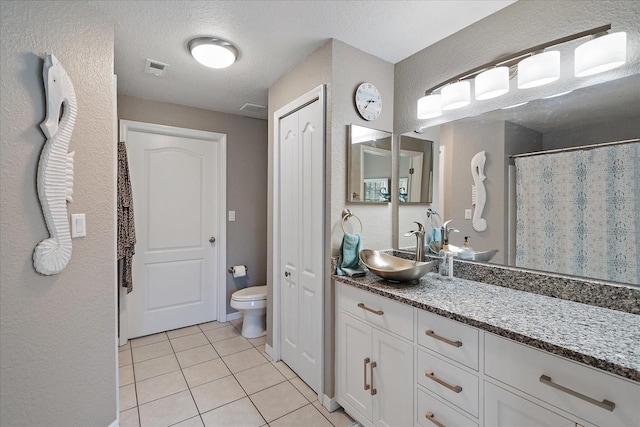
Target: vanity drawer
(449, 382)
(526, 368)
(432, 411)
(377, 310)
(450, 338)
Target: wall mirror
(415, 170)
(369, 165)
(596, 114)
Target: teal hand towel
(349, 256)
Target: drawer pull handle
(609, 406)
(364, 307)
(443, 339)
(431, 417)
(373, 389)
(431, 375)
(366, 361)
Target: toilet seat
(251, 293)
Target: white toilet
(252, 303)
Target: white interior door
(301, 210)
(178, 181)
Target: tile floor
(210, 375)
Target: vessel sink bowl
(485, 256)
(392, 268)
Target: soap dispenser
(467, 251)
(446, 262)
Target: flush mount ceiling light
(456, 95)
(492, 83)
(429, 106)
(601, 54)
(213, 52)
(540, 69)
(535, 67)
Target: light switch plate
(78, 225)
(232, 216)
(467, 214)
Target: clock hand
(368, 102)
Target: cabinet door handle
(431, 375)
(606, 404)
(431, 417)
(373, 389)
(364, 307)
(366, 361)
(443, 339)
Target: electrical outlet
(467, 214)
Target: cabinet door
(505, 409)
(392, 380)
(354, 364)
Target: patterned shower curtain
(578, 212)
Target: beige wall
(246, 177)
(57, 351)
(467, 138)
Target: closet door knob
(212, 239)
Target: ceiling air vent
(254, 108)
(156, 68)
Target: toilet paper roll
(239, 271)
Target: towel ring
(346, 214)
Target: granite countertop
(600, 337)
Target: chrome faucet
(419, 233)
(445, 230)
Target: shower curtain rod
(582, 147)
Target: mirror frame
(425, 169)
(350, 168)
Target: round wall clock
(368, 101)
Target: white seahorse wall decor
(55, 169)
(478, 192)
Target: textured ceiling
(272, 36)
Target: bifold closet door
(301, 240)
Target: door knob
(212, 239)
(287, 274)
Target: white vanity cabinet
(587, 393)
(446, 373)
(375, 363)
(505, 409)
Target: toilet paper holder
(232, 270)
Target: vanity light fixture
(429, 106)
(539, 69)
(456, 95)
(603, 53)
(535, 67)
(213, 52)
(492, 83)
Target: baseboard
(269, 350)
(234, 316)
(115, 423)
(330, 403)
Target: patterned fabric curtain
(578, 212)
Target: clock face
(368, 101)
